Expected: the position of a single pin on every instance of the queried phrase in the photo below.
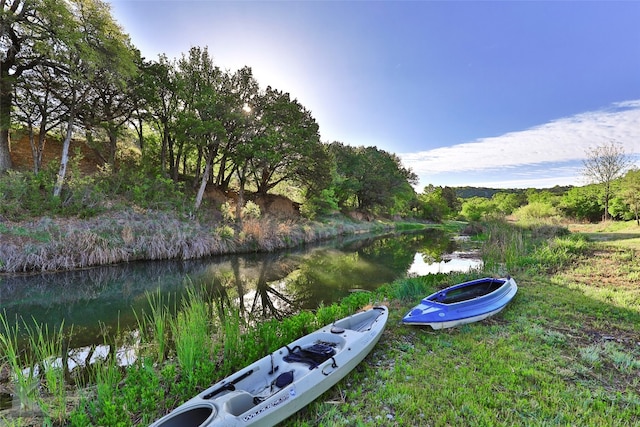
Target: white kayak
(285, 381)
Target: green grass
(619, 234)
(554, 356)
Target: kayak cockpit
(468, 292)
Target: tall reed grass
(50, 358)
(191, 331)
(503, 247)
(35, 356)
(153, 326)
(509, 247)
(21, 364)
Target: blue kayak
(463, 303)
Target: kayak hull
(463, 303)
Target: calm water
(100, 300)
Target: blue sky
(506, 94)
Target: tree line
(618, 200)
(67, 67)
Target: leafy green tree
(160, 90)
(370, 179)
(243, 124)
(113, 100)
(385, 178)
(451, 196)
(286, 145)
(604, 164)
(619, 209)
(403, 201)
(535, 195)
(26, 28)
(143, 93)
(432, 204)
(631, 191)
(475, 208)
(38, 109)
(89, 44)
(582, 203)
(205, 106)
(349, 167)
(506, 203)
(316, 180)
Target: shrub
(228, 212)
(251, 210)
(536, 211)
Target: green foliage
(119, 395)
(544, 196)
(142, 391)
(24, 194)
(503, 247)
(583, 203)
(142, 186)
(506, 203)
(228, 212)
(251, 210)
(22, 365)
(370, 179)
(106, 409)
(225, 232)
(416, 288)
(153, 326)
(619, 209)
(630, 192)
(556, 254)
(190, 331)
(432, 205)
(287, 145)
(509, 248)
(18, 191)
(322, 204)
(538, 210)
(476, 208)
(48, 351)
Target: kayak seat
(239, 403)
(313, 355)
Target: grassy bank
(129, 235)
(566, 351)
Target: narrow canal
(102, 300)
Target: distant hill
(469, 192)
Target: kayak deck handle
(333, 365)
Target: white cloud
(547, 149)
